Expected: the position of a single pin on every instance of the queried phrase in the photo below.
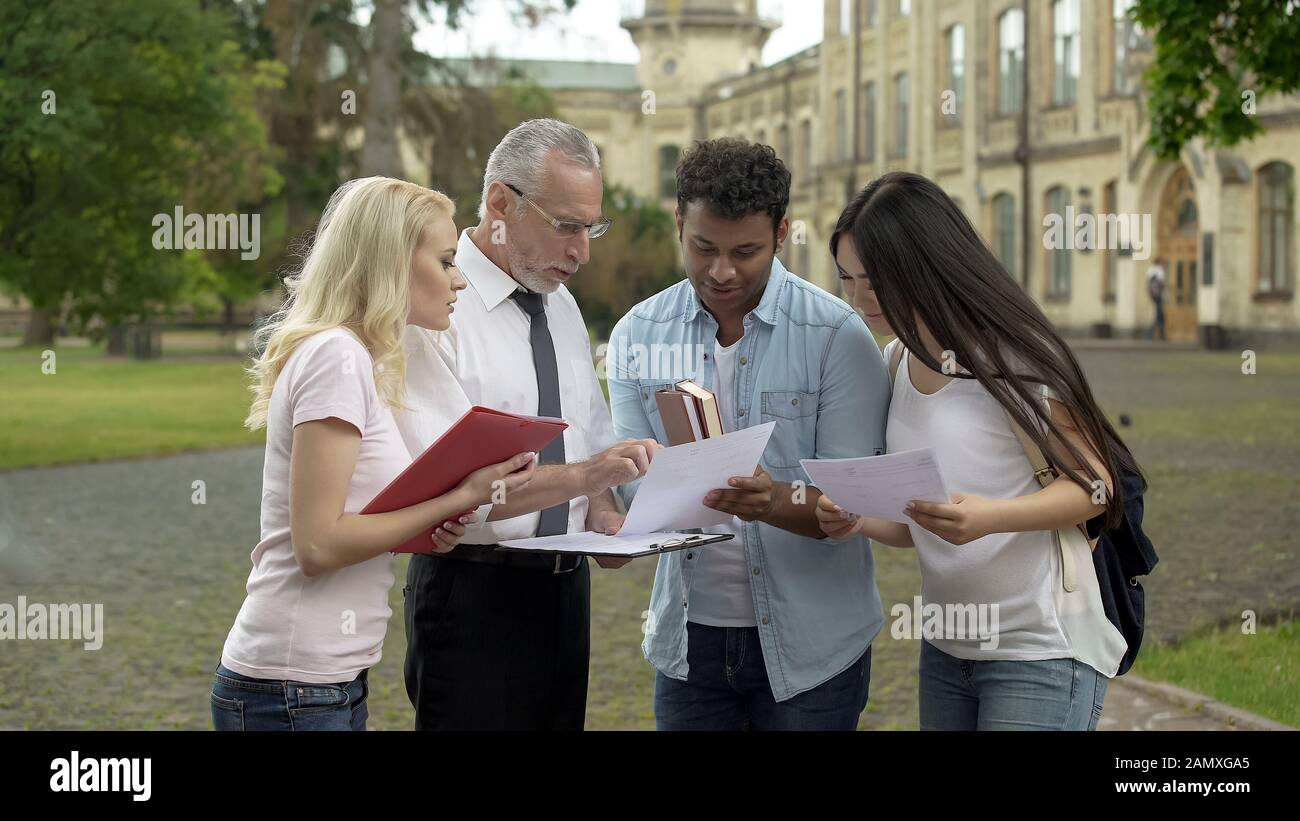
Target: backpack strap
(895, 359)
(1044, 474)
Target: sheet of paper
(596, 543)
(671, 495)
(879, 486)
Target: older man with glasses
(501, 640)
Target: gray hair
(520, 158)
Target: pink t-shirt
(331, 627)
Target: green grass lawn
(1257, 671)
(1219, 448)
(95, 407)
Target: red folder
(480, 438)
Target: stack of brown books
(690, 413)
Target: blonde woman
(325, 388)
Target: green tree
(349, 86)
(1213, 61)
(112, 112)
(466, 123)
(636, 259)
(395, 69)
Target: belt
(558, 563)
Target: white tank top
(979, 454)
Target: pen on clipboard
(689, 541)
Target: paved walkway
(171, 575)
(1137, 704)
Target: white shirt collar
(492, 284)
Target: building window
(1058, 259)
(805, 148)
(955, 52)
(1065, 51)
(668, 157)
(1004, 232)
(871, 13)
(846, 16)
(1110, 265)
(761, 137)
(841, 125)
(869, 122)
(900, 115)
(783, 143)
(1011, 60)
(903, 7)
(1127, 37)
(1276, 185)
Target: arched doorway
(1177, 232)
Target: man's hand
(623, 463)
(750, 497)
(608, 522)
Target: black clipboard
(697, 540)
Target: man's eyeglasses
(567, 228)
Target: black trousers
(496, 648)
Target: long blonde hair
(356, 276)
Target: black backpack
(1123, 554)
(1155, 288)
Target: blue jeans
(1053, 694)
(1159, 325)
(727, 689)
(243, 703)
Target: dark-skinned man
(770, 630)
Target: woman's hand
(965, 519)
(515, 473)
(835, 521)
(447, 535)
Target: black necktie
(554, 520)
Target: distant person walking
(1156, 290)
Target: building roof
(801, 62)
(589, 75)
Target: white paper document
(880, 486)
(671, 495)
(600, 544)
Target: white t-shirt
(330, 627)
(978, 453)
(720, 594)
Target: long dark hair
(925, 260)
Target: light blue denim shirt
(807, 362)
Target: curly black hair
(734, 178)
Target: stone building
(940, 87)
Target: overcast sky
(589, 32)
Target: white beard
(527, 275)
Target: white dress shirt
(489, 354)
